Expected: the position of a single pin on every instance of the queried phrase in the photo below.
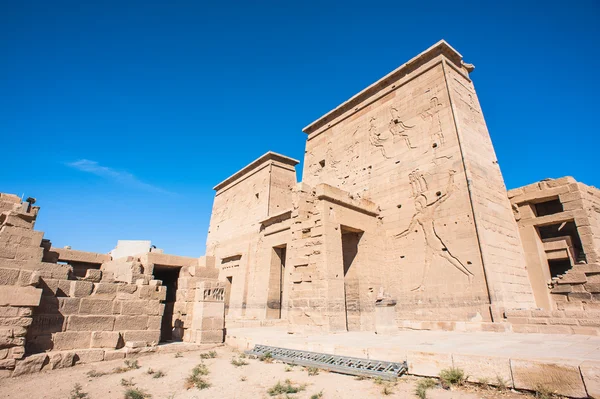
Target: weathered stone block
(90, 323)
(150, 337)
(19, 296)
(9, 276)
(89, 356)
(579, 296)
(61, 360)
(96, 306)
(590, 371)
(81, 288)
(105, 339)
(209, 336)
(123, 323)
(15, 321)
(71, 340)
(134, 307)
(154, 322)
(68, 306)
(113, 355)
(573, 277)
(428, 364)
(107, 290)
(31, 364)
(562, 378)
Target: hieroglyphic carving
(425, 217)
(398, 128)
(418, 184)
(214, 294)
(376, 138)
(432, 114)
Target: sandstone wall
(498, 234)
(242, 253)
(396, 144)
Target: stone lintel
(71, 255)
(341, 197)
(170, 260)
(278, 217)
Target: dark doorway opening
(350, 243)
(168, 275)
(549, 207)
(276, 286)
(228, 284)
(558, 266)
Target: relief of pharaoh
(435, 248)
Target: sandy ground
(227, 381)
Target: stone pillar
(208, 321)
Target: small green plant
(243, 378)
(543, 392)
(452, 376)
(289, 368)
(178, 355)
(129, 365)
(318, 395)
(94, 373)
(208, 355)
(158, 374)
(378, 380)
(484, 382)
(266, 357)
(132, 364)
(239, 362)
(196, 378)
(387, 389)
(423, 386)
(127, 383)
(243, 355)
(135, 393)
(360, 377)
(286, 388)
(313, 371)
(78, 393)
(501, 384)
(150, 371)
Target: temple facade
(401, 221)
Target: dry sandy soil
(227, 381)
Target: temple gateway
(402, 221)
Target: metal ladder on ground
(339, 364)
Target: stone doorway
(276, 285)
(169, 276)
(228, 285)
(350, 248)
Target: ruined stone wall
(399, 149)
(590, 233)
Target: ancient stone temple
(402, 221)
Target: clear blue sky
(120, 116)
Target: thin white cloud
(122, 177)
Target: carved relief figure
(376, 138)
(432, 114)
(399, 128)
(425, 217)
